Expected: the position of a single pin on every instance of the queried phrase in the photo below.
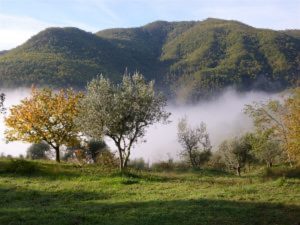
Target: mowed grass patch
(73, 194)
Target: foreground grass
(69, 194)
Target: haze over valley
(223, 115)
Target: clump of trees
(121, 112)
(124, 111)
(195, 143)
(45, 116)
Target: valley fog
(223, 116)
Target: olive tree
(265, 148)
(195, 142)
(121, 112)
(235, 153)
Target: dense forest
(188, 59)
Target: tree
(195, 142)
(269, 118)
(121, 112)
(45, 116)
(235, 153)
(2, 98)
(291, 121)
(265, 148)
(94, 148)
(38, 151)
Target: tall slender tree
(195, 142)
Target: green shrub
(139, 164)
(163, 166)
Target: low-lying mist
(12, 97)
(223, 116)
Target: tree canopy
(121, 112)
(279, 120)
(195, 142)
(45, 116)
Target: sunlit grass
(73, 194)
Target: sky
(21, 19)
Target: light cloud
(14, 30)
(19, 20)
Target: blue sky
(20, 19)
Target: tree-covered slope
(60, 57)
(217, 53)
(293, 33)
(197, 57)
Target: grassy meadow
(43, 192)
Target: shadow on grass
(74, 208)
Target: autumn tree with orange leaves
(45, 116)
(292, 122)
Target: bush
(163, 166)
(38, 151)
(275, 172)
(216, 162)
(107, 159)
(95, 147)
(139, 164)
(21, 166)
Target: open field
(72, 194)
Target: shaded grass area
(72, 194)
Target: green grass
(70, 194)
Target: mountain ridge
(200, 56)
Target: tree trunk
(269, 164)
(290, 160)
(121, 166)
(238, 170)
(121, 160)
(57, 156)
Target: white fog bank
(223, 116)
(12, 97)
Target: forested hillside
(193, 58)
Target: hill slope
(197, 57)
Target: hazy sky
(20, 19)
